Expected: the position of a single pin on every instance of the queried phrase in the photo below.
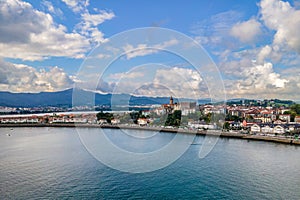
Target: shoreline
(167, 130)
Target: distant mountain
(80, 97)
(36, 99)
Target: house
(279, 129)
(80, 120)
(297, 119)
(290, 128)
(266, 129)
(57, 120)
(115, 121)
(206, 109)
(255, 128)
(102, 121)
(285, 118)
(32, 120)
(142, 122)
(278, 122)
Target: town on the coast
(259, 117)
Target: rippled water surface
(52, 163)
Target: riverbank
(169, 130)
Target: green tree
(135, 116)
(226, 126)
(125, 118)
(106, 116)
(296, 108)
(174, 119)
(291, 113)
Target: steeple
(171, 100)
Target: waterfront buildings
(255, 119)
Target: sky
(251, 47)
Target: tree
(106, 116)
(174, 119)
(135, 116)
(291, 113)
(296, 108)
(233, 118)
(226, 126)
(125, 118)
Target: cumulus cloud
(180, 82)
(29, 34)
(281, 17)
(253, 68)
(257, 80)
(246, 31)
(23, 78)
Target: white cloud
(76, 5)
(257, 80)
(30, 34)
(96, 19)
(23, 78)
(247, 66)
(264, 53)
(212, 31)
(233, 68)
(89, 23)
(284, 19)
(102, 56)
(246, 31)
(180, 82)
(88, 26)
(127, 76)
(293, 86)
(49, 6)
(144, 49)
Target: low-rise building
(142, 122)
(255, 128)
(279, 129)
(297, 119)
(285, 118)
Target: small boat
(195, 143)
(8, 134)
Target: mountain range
(81, 97)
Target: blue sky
(254, 44)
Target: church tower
(171, 100)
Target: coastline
(168, 130)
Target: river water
(53, 163)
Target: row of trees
(173, 119)
(105, 116)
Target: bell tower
(171, 101)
